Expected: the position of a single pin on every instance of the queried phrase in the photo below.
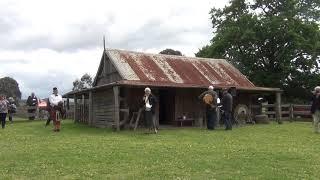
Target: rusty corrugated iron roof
(179, 71)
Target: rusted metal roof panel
(176, 70)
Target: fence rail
(288, 111)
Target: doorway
(166, 106)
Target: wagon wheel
(241, 114)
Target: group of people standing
(210, 99)
(7, 108)
(55, 107)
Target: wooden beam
(116, 107)
(75, 108)
(90, 109)
(138, 118)
(82, 112)
(278, 108)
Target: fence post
(291, 112)
(278, 108)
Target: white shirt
(55, 99)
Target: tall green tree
(10, 88)
(171, 52)
(276, 43)
(84, 83)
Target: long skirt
(149, 119)
(54, 115)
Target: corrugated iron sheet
(176, 70)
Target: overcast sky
(51, 43)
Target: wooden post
(116, 107)
(75, 108)
(278, 108)
(68, 104)
(200, 118)
(291, 112)
(90, 109)
(82, 112)
(157, 112)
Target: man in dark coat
(32, 102)
(148, 104)
(315, 109)
(209, 97)
(227, 102)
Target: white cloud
(50, 43)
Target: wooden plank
(301, 106)
(110, 110)
(268, 105)
(124, 110)
(90, 109)
(302, 113)
(116, 107)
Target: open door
(166, 106)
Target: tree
(275, 43)
(171, 52)
(10, 88)
(84, 83)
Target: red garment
(54, 114)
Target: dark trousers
(211, 119)
(227, 120)
(3, 119)
(10, 114)
(31, 111)
(149, 119)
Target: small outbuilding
(176, 81)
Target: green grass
(287, 151)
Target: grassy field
(28, 150)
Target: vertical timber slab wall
(116, 118)
(90, 109)
(103, 108)
(186, 101)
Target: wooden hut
(176, 81)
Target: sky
(45, 44)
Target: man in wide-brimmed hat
(55, 101)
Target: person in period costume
(56, 103)
(4, 103)
(148, 103)
(32, 102)
(315, 109)
(12, 108)
(209, 98)
(227, 103)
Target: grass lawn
(28, 150)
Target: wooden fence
(288, 111)
(82, 113)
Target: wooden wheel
(241, 114)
